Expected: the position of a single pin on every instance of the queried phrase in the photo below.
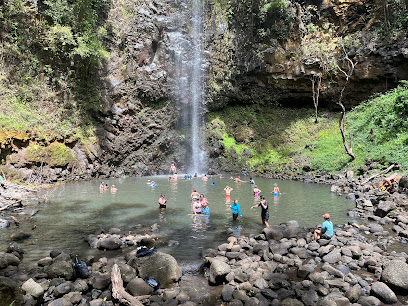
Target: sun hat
(326, 216)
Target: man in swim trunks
(113, 189)
(326, 231)
(162, 201)
(276, 190)
(265, 212)
(388, 181)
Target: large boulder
(289, 229)
(10, 292)
(384, 207)
(61, 269)
(110, 243)
(395, 275)
(403, 184)
(272, 233)
(7, 259)
(218, 271)
(383, 292)
(163, 267)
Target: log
(382, 172)
(119, 293)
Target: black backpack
(81, 269)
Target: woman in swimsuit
(196, 207)
(256, 191)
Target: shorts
(325, 237)
(198, 213)
(228, 196)
(234, 216)
(162, 206)
(265, 217)
(275, 194)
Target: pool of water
(77, 209)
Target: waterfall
(187, 45)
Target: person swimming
(213, 184)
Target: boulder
(33, 288)
(227, 292)
(383, 292)
(163, 267)
(138, 286)
(395, 275)
(110, 243)
(4, 223)
(7, 259)
(384, 207)
(10, 292)
(332, 257)
(272, 233)
(61, 269)
(218, 271)
(99, 280)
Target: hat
(276, 185)
(326, 216)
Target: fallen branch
(382, 172)
(118, 292)
(5, 207)
(16, 222)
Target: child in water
(235, 210)
(256, 191)
(276, 192)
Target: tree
(348, 72)
(316, 80)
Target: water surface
(79, 208)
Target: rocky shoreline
(280, 266)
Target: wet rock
(46, 261)
(227, 292)
(138, 286)
(7, 259)
(395, 275)
(33, 288)
(62, 289)
(218, 271)
(19, 236)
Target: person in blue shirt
(326, 231)
(235, 210)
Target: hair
(276, 185)
(194, 190)
(202, 194)
(162, 195)
(255, 186)
(262, 197)
(235, 200)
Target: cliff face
(259, 60)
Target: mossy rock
(56, 154)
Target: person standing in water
(204, 205)
(276, 192)
(205, 178)
(196, 207)
(195, 195)
(257, 191)
(228, 190)
(173, 169)
(235, 210)
(265, 212)
(113, 189)
(162, 201)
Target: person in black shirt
(265, 212)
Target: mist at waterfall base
(78, 209)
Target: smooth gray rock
(218, 271)
(138, 286)
(395, 275)
(33, 288)
(383, 292)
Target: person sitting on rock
(326, 230)
(388, 181)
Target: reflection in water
(77, 209)
(236, 229)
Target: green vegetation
(286, 139)
(56, 154)
(50, 55)
(277, 17)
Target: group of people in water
(104, 187)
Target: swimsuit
(276, 194)
(162, 206)
(256, 193)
